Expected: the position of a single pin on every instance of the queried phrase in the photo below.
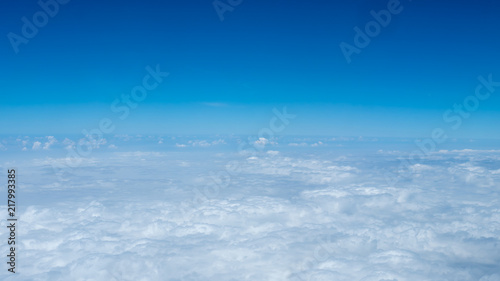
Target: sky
(226, 76)
(251, 140)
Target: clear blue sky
(226, 76)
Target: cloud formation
(285, 215)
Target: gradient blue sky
(226, 76)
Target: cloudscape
(250, 140)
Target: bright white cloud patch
(50, 141)
(281, 214)
(36, 145)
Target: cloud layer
(312, 214)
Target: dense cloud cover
(304, 209)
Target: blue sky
(227, 76)
(188, 186)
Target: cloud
(202, 143)
(36, 145)
(272, 152)
(69, 144)
(50, 141)
(297, 144)
(319, 143)
(287, 215)
(262, 142)
(95, 142)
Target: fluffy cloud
(36, 145)
(283, 215)
(68, 144)
(50, 141)
(201, 143)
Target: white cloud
(50, 141)
(316, 215)
(202, 143)
(319, 143)
(273, 152)
(297, 144)
(36, 145)
(219, 141)
(262, 141)
(69, 144)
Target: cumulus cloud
(313, 215)
(202, 143)
(36, 145)
(297, 144)
(261, 141)
(272, 152)
(50, 141)
(319, 143)
(68, 144)
(24, 144)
